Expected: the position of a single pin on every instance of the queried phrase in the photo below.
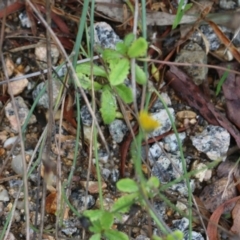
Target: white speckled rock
(213, 141)
(167, 171)
(22, 113)
(170, 142)
(118, 129)
(155, 152)
(163, 119)
(104, 35)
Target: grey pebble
(118, 129)
(105, 36)
(17, 165)
(44, 101)
(3, 194)
(213, 141)
(79, 200)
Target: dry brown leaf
(222, 37)
(231, 91)
(217, 193)
(236, 218)
(51, 203)
(214, 220)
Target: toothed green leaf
(86, 68)
(108, 106)
(138, 48)
(119, 72)
(125, 93)
(85, 82)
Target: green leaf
(121, 48)
(93, 215)
(222, 80)
(138, 48)
(95, 227)
(140, 75)
(111, 54)
(125, 93)
(85, 82)
(115, 235)
(119, 72)
(176, 235)
(127, 185)
(106, 220)
(96, 236)
(123, 204)
(180, 13)
(108, 106)
(86, 68)
(128, 40)
(153, 182)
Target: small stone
(81, 201)
(155, 151)
(166, 171)
(44, 100)
(41, 54)
(192, 53)
(159, 105)
(69, 227)
(23, 112)
(86, 117)
(104, 35)
(181, 206)
(105, 173)
(118, 129)
(160, 208)
(93, 186)
(181, 224)
(9, 67)
(3, 136)
(205, 174)
(25, 22)
(10, 141)
(164, 121)
(214, 141)
(17, 87)
(170, 142)
(17, 165)
(3, 194)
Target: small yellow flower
(147, 122)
